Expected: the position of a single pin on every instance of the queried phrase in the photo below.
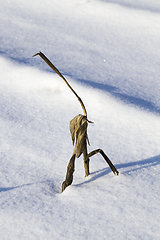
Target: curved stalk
(57, 71)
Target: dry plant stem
(86, 162)
(57, 71)
(105, 157)
(69, 174)
(81, 137)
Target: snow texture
(109, 51)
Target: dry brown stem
(58, 72)
(86, 161)
(105, 157)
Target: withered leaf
(78, 129)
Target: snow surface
(109, 51)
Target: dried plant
(78, 129)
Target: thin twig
(57, 71)
(105, 157)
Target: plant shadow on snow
(47, 187)
(143, 104)
(11, 188)
(126, 168)
(137, 165)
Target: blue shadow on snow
(48, 182)
(144, 104)
(105, 87)
(127, 168)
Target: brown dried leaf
(78, 129)
(74, 125)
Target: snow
(109, 51)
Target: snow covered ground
(109, 51)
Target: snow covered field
(109, 51)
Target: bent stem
(105, 157)
(58, 72)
